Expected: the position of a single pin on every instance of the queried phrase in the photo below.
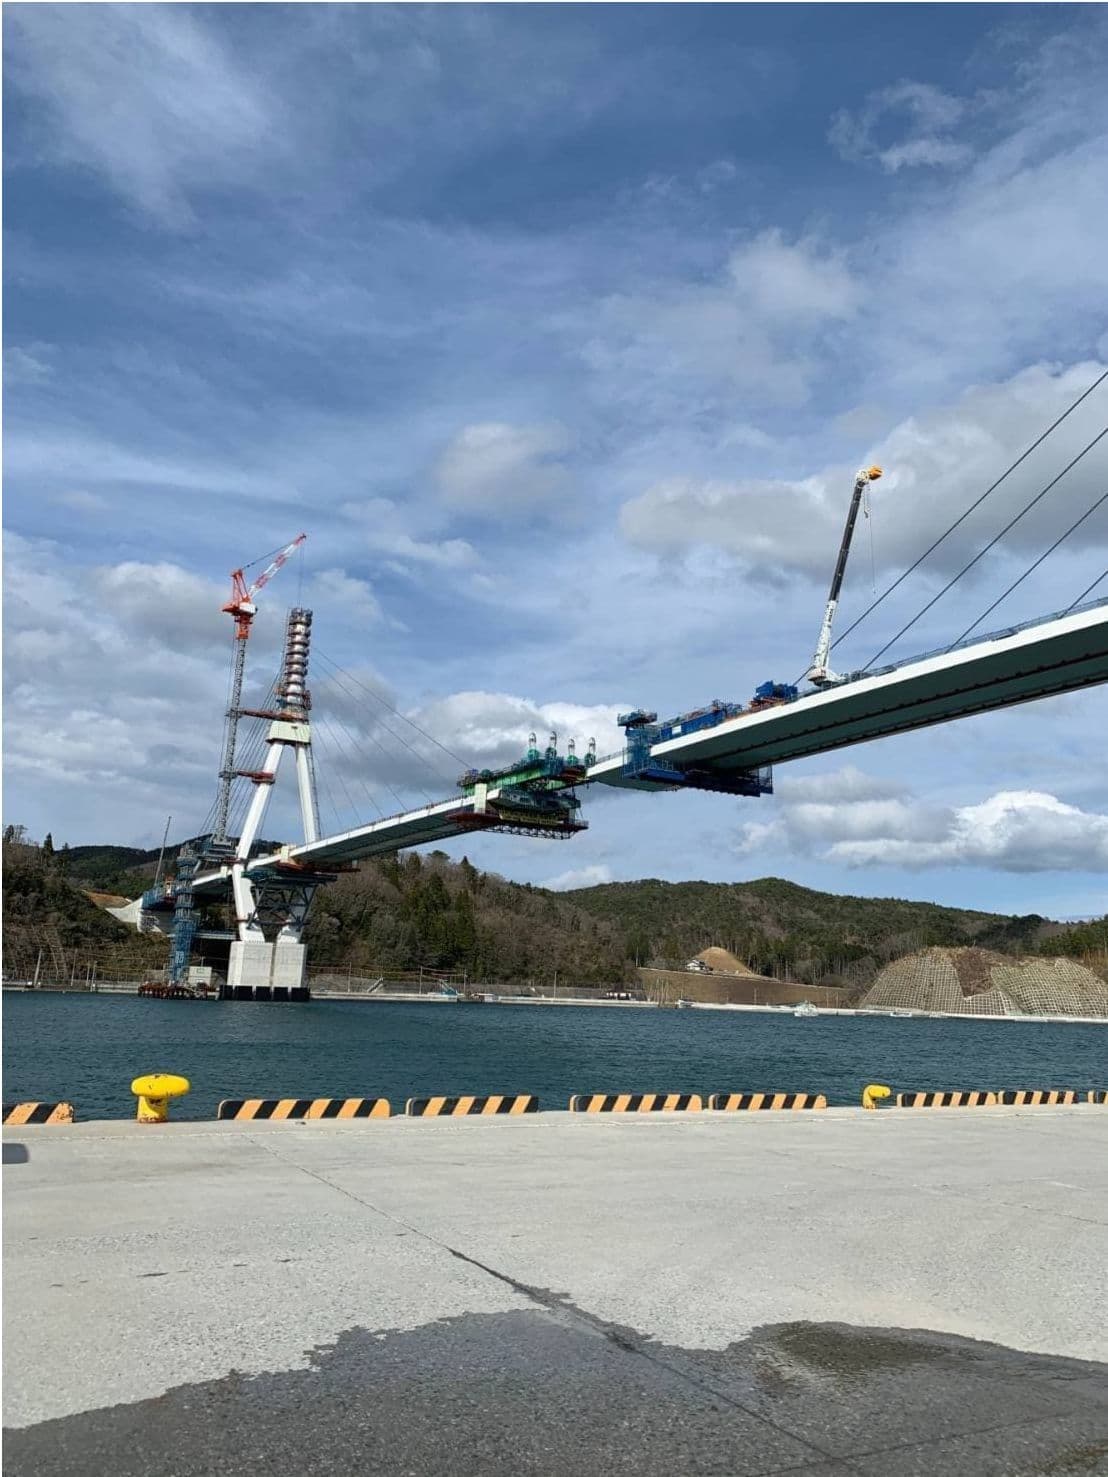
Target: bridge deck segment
(1062, 654)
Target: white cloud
(336, 589)
(935, 463)
(143, 93)
(857, 823)
(381, 523)
(778, 281)
(496, 468)
(493, 727)
(107, 670)
(758, 325)
(594, 876)
(921, 116)
(1013, 831)
(848, 784)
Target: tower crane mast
(819, 672)
(242, 608)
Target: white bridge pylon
(260, 894)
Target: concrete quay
(894, 1293)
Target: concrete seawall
(893, 1292)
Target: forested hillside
(417, 910)
(47, 916)
(410, 911)
(779, 928)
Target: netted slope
(979, 982)
(930, 980)
(1053, 987)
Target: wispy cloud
(497, 468)
(145, 94)
(905, 126)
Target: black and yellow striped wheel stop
(503, 1105)
(304, 1107)
(753, 1102)
(636, 1102)
(946, 1099)
(22, 1113)
(1037, 1097)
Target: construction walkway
(893, 1293)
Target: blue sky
(561, 329)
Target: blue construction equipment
(644, 731)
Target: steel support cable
(331, 799)
(386, 755)
(340, 748)
(1031, 568)
(403, 716)
(991, 544)
(336, 678)
(958, 521)
(342, 729)
(1088, 590)
(336, 740)
(352, 809)
(378, 722)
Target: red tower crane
(242, 607)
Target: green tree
(465, 927)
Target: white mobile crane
(819, 672)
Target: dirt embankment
(733, 989)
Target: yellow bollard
(154, 1092)
(873, 1093)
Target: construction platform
(894, 1293)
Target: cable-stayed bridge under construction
(726, 748)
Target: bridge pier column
(250, 963)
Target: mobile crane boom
(819, 672)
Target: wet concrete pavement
(557, 1296)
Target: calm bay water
(87, 1048)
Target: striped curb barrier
(304, 1107)
(1099, 1095)
(946, 1099)
(636, 1102)
(509, 1105)
(742, 1102)
(1039, 1097)
(21, 1113)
